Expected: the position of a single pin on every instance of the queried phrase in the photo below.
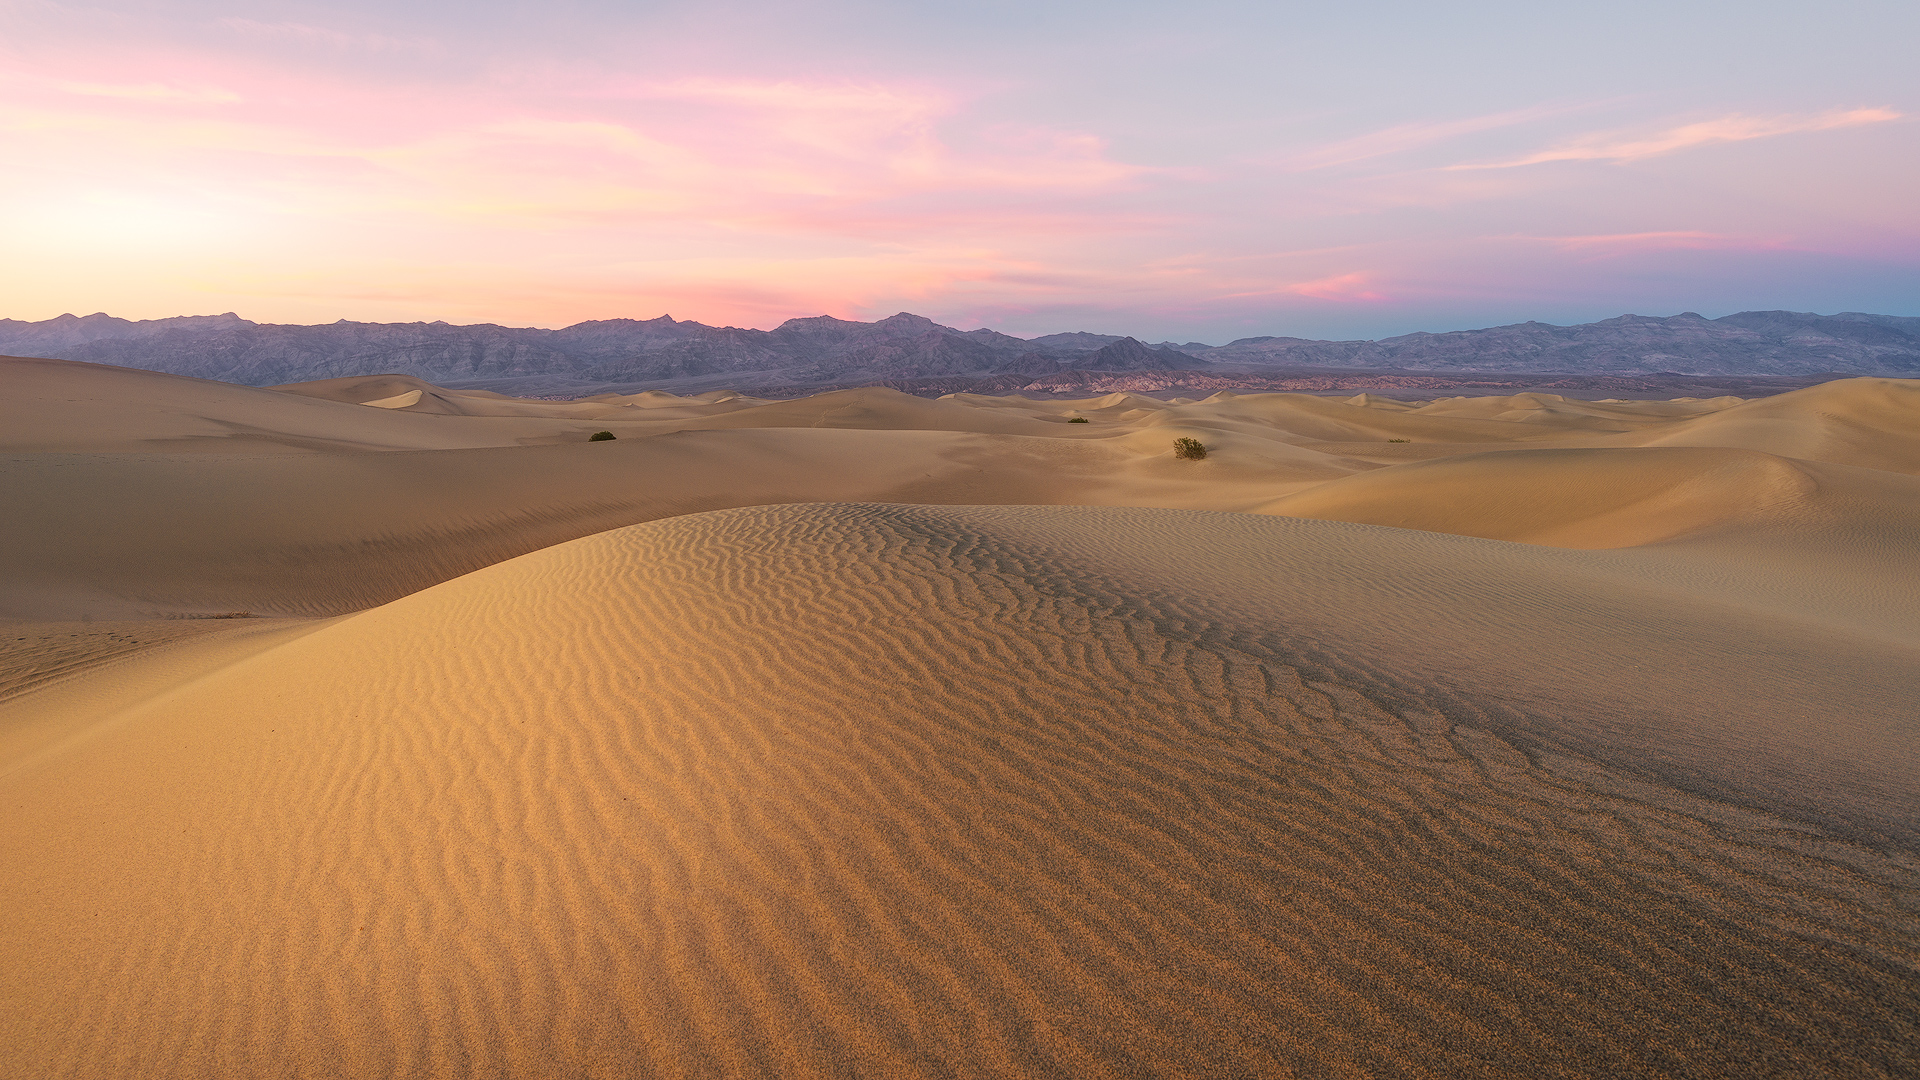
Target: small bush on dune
(600, 436)
(1079, 420)
(1191, 449)
(1399, 440)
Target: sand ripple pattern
(908, 791)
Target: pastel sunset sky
(1197, 171)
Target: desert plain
(370, 728)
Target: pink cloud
(769, 154)
(896, 105)
(159, 92)
(1610, 243)
(1401, 138)
(306, 34)
(734, 200)
(1352, 288)
(289, 179)
(1618, 147)
(1345, 288)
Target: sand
(871, 736)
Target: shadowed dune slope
(365, 388)
(1576, 414)
(1577, 498)
(122, 536)
(406, 393)
(194, 496)
(861, 790)
(59, 405)
(1871, 423)
(1807, 540)
(56, 405)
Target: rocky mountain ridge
(800, 351)
(1747, 343)
(824, 350)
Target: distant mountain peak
(819, 349)
(907, 318)
(816, 324)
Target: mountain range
(666, 352)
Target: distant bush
(600, 436)
(1079, 420)
(1399, 440)
(1191, 449)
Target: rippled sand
(881, 788)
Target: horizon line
(669, 318)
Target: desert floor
(368, 728)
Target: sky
(1204, 171)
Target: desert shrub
(600, 436)
(1079, 420)
(1191, 449)
(1399, 440)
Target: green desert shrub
(600, 436)
(1399, 440)
(1079, 420)
(1192, 449)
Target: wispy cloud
(787, 95)
(853, 138)
(1619, 146)
(1644, 240)
(1401, 138)
(319, 163)
(319, 35)
(1348, 288)
(832, 160)
(1599, 247)
(153, 91)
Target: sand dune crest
(1567, 498)
(397, 401)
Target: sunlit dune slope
(58, 405)
(1579, 498)
(878, 408)
(890, 791)
(1559, 411)
(406, 393)
(1873, 423)
(122, 536)
(359, 390)
(1293, 418)
(1810, 539)
(136, 494)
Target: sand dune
(325, 534)
(863, 790)
(309, 503)
(419, 397)
(1579, 498)
(1566, 413)
(1864, 422)
(867, 735)
(397, 401)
